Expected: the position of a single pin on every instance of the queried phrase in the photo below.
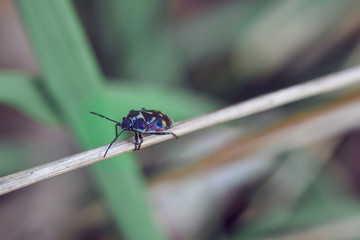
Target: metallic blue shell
(148, 121)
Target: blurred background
(292, 172)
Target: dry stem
(318, 86)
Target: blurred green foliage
(230, 52)
(72, 83)
(24, 93)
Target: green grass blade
(73, 79)
(23, 93)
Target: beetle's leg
(165, 133)
(141, 140)
(116, 137)
(174, 135)
(136, 141)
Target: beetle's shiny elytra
(143, 121)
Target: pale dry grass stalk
(315, 87)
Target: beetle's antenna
(105, 117)
(113, 142)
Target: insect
(143, 121)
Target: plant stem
(315, 87)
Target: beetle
(142, 121)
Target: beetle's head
(127, 124)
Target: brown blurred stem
(315, 87)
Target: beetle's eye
(126, 123)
